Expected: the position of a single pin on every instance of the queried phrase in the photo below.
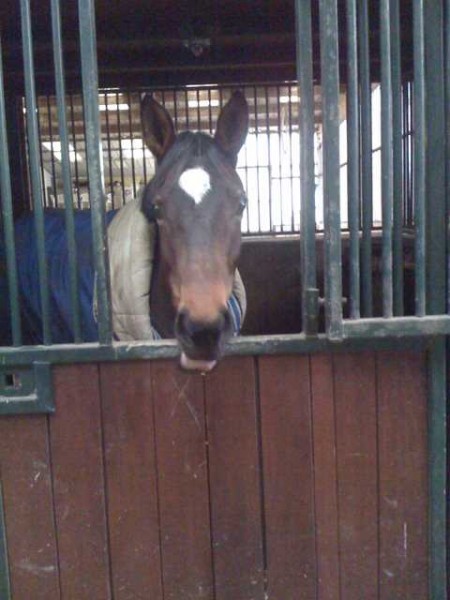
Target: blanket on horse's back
(130, 241)
(57, 256)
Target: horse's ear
(157, 125)
(232, 125)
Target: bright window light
(55, 148)
(114, 107)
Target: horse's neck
(162, 312)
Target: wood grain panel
(325, 477)
(129, 441)
(236, 519)
(288, 476)
(356, 437)
(28, 506)
(77, 455)
(183, 482)
(403, 475)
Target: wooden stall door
(278, 477)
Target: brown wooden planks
(403, 475)
(356, 440)
(77, 456)
(182, 482)
(325, 477)
(234, 469)
(288, 477)
(28, 506)
(131, 480)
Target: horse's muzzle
(201, 342)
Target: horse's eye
(156, 211)
(242, 204)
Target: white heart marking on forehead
(196, 183)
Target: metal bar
(94, 158)
(269, 162)
(65, 166)
(8, 219)
(130, 124)
(387, 173)
(307, 184)
(35, 173)
(397, 164)
(447, 104)
(108, 143)
(52, 152)
(398, 326)
(5, 586)
(416, 338)
(331, 172)
(75, 149)
(119, 140)
(353, 153)
(436, 279)
(366, 159)
(419, 157)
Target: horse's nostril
(201, 333)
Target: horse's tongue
(197, 365)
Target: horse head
(197, 199)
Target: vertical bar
(269, 164)
(436, 270)
(353, 173)
(65, 166)
(94, 158)
(387, 173)
(255, 99)
(52, 153)
(108, 143)
(307, 184)
(74, 143)
(130, 123)
(397, 192)
(119, 139)
(419, 156)
(5, 586)
(366, 159)
(330, 106)
(280, 155)
(36, 180)
(7, 215)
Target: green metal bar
(397, 158)
(419, 157)
(307, 216)
(366, 159)
(35, 173)
(436, 280)
(353, 153)
(8, 220)
(435, 325)
(65, 165)
(447, 104)
(95, 159)
(386, 156)
(330, 109)
(414, 338)
(5, 588)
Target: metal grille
(269, 163)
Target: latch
(26, 389)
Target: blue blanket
(59, 279)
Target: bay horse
(193, 205)
(196, 199)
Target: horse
(191, 212)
